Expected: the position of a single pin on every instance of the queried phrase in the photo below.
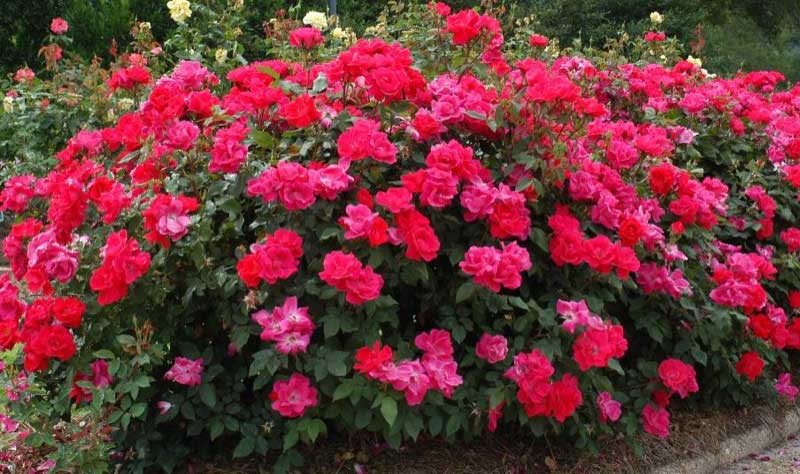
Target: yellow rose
(656, 18)
(179, 10)
(125, 103)
(221, 55)
(8, 104)
(316, 19)
(696, 61)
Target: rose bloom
(186, 371)
(492, 348)
(59, 26)
(610, 409)
(656, 421)
(307, 38)
(750, 365)
(538, 41)
(291, 398)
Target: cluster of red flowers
(436, 370)
(569, 246)
(276, 259)
(537, 393)
(622, 204)
(124, 262)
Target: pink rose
(492, 348)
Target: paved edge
(773, 430)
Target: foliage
(450, 228)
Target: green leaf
(435, 425)
(389, 410)
(104, 354)
(613, 364)
(335, 363)
(699, 355)
(208, 395)
(363, 417)
(343, 391)
(465, 292)
(244, 448)
(315, 427)
(320, 83)
(453, 424)
(263, 139)
(215, 428)
(137, 410)
(290, 440)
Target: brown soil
(692, 434)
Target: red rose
(600, 253)
(307, 38)
(630, 231)
(464, 25)
(69, 311)
(794, 299)
(8, 334)
(54, 342)
(678, 376)
(761, 326)
(662, 178)
(538, 41)
(750, 365)
(301, 112)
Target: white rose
(8, 104)
(221, 55)
(316, 19)
(656, 18)
(696, 61)
(179, 10)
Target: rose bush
(433, 237)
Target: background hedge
(736, 34)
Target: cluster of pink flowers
(344, 272)
(276, 259)
(167, 218)
(229, 151)
(436, 370)
(738, 280)
(495, 269)
(361, 222)
(288, 326)
(298, 187)
(653, 278)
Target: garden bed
(696, 433)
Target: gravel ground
(783, 459)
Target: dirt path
(783, 459)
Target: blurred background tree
(734, 34)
